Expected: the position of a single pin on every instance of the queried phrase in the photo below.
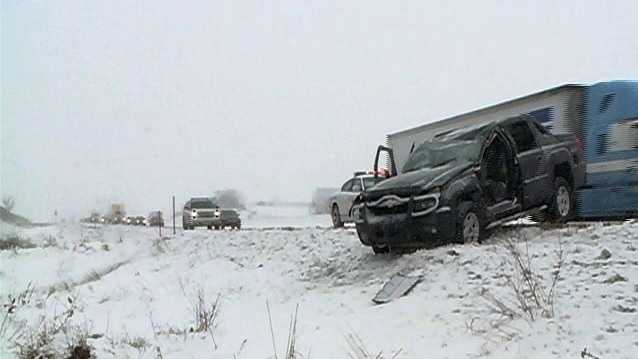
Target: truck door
(534, 177)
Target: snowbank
(137, 291)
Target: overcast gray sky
(134, 101)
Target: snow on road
(137, 291)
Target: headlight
(357, 213)
(217, 213)
(194, 213)
(425, 204)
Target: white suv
(201, 212)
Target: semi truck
(603, 117)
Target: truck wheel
(380, 250)
(469, 226)
(209, 227)
(217, 228)
(561, 207)
(336, 217)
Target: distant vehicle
(340, 203)
(603, 116)
(155, 219)
(229, 218)
(458, 186)
(135, 220)
(117, 215)
(201, 212)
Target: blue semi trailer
(604, 116)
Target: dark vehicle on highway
(463, 183)
(201, 212)
(155, 219)
(229, 218)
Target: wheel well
(564, 170)
(471, 196)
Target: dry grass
(39, 341)
(533, 299)
(14, 242)
(93, 275)
(291, 343)
(358, 350)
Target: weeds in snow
(291, 344)
(42, 340)
(9, 330)
(93, 275)
(205, 314)
(14, 242)
(357, 349)
(532, 298)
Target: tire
(209, 227)
(217, 228)
(469, 224)
(561, 206)
(336, 217)
(380, 250)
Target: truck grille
(206, 214)
(383, 211)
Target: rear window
(371, 181)
(523, 136)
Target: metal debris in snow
(398, 286)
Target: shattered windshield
(437, 153)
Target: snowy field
(133, 294)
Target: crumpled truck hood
(424, 179)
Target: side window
(606, 102)
(347, 187)
(187, 205)
(623, 136)
(542, 129)
(602, 144)
(356, 185)
(522, 135)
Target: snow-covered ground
(282, 216)
(136, 291)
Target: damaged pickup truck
(463, 183)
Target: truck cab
(611, 188)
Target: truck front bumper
(405, 230)
(205, 222)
